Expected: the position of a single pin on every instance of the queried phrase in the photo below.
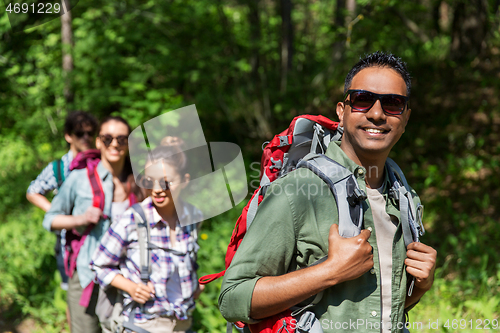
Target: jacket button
(369, 229)
(372, 270)
(374, 313)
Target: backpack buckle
(357, 196)
(419, 218)
(306, 321)
(278, 164)
(394, 193)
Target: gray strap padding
(252, 208)
(142, 226)
(408, 212)
(341, 182)
(404, 210)
(349, 224)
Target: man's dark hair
(380, 59)
(77, 119)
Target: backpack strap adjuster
(284, 141)
(394, 193)
(357, 196)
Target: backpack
(303, 145)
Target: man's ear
(340, 113)
(68, 138)
(407, 117)
(408, 113)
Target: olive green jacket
(290, 231)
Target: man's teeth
(373, 130)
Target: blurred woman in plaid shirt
(166, 303)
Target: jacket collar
(337, 154)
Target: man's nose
(376, 111)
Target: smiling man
(365, 280)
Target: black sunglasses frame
(378, 97)
(122, 140)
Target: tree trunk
(286, 42)
(261, 107)
(350, 20)
(255, 36)
(469, 29)
(338, 47)
(67, 58)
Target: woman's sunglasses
(81, 134)
(148, 183)
(362, 100)
(122, 140)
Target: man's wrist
(330, 273)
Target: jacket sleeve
(266, 250)
(107, 257)
(44, 182)
(64, 201)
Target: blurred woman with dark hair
(88, 201)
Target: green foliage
(30, 285)
(213, 242)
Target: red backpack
(302, 145)
(304, 132)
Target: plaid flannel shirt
(118, 253)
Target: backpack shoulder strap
(96, 185)
(142, 225)
(411, 216)
(345, 189)
(58, 167)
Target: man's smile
(375, 130)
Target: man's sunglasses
(107, 139)
(362, 100)
(81, 134)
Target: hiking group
(329, 242)
(96, 205)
